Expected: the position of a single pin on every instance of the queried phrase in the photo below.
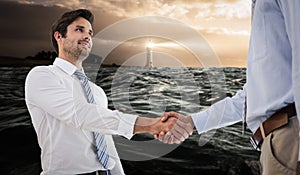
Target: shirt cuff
(126, 125)
(200, 119)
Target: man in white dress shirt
(61, 115)
(272, 89)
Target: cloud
(191, 12)
(28, 21)
(26, 28)
(133, 8)
(225, 31)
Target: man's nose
(87, 36)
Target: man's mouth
(84, 44)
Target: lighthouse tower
(149, 54)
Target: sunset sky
(224, 24)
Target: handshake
(171, 128)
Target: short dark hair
(65, 20)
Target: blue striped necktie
(101, 145)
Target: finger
(190, 124)
(170, 141)
(191, 132)
(187, 124)
(170, 138)
(160, 139)
(177, 134)
(176, 141)
(161, 135)
(182, 128)
(166, 137)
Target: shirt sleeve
(223, 113)
(44, 90)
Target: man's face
(78, 40)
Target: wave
(150, 92)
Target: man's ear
(57, 36)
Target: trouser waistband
(277, 120)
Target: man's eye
(80, 30)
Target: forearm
(223, 113)
(144, 124)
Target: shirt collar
(66, 66)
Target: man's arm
(223, 113)
(153, 125)
(45, 91)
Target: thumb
(167, 115)
(164, 117)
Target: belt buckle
(256, 145)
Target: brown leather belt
(277, 120)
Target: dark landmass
(7, 61)
(45, 58)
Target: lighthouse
(149, 54)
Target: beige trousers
(279, 151)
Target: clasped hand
(173, 128)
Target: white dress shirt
(64, 121)
(273, 69)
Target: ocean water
(147, 92)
